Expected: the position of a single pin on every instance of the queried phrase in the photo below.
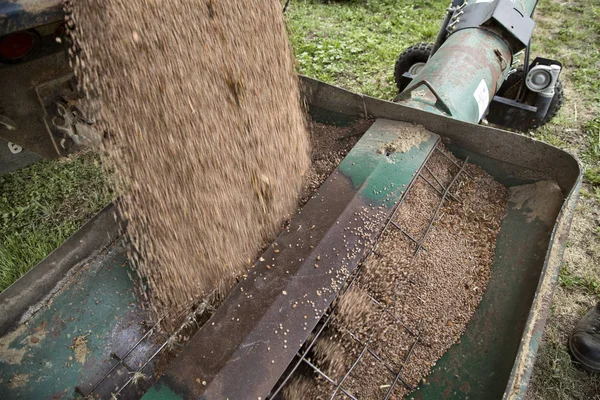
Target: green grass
(42, 205)
(592, 154)
(354, 44)
(589, 284)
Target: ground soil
(406, 310)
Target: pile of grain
(200, 105)
(329, 145)
(399, 297)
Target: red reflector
(16, 45)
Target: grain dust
(539, 200)
(408, 135)
(204, 129)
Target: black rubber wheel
(412, 58)
(510, 90)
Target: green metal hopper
(74, 325)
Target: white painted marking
(14, 148)
(482, 97)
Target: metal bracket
(439, 103)
(501, 14)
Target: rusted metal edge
(241, 352)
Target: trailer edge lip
(518, 381)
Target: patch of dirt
(80, 348)
(17, 381)
(399, 296)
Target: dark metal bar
(339, 386)
(324, 375)
(439, 183)
(385, 309)
(440, 206)
(431, 184)
(410, 351)
(452, 161)
(399, 376)
(120, 361)
(390, 369)
(400, 322)
(143, 366)
(395, 382)
(375, 355)
(408, 235)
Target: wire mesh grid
(303, 355)
(154, 339)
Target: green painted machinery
(473, 72)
